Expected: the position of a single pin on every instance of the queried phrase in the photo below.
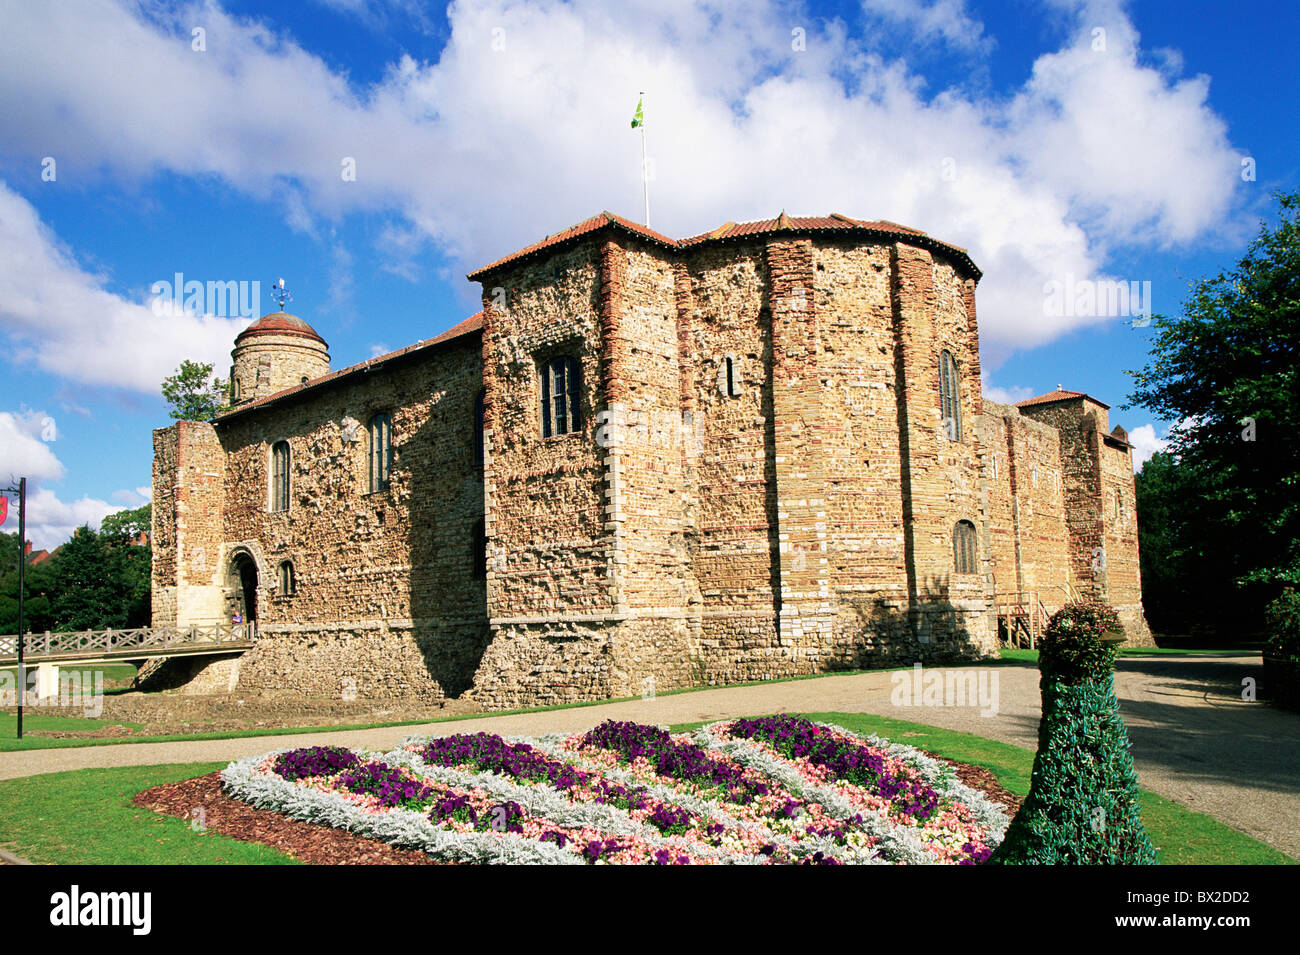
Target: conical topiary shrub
(1082, 807)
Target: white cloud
(1007, 396)
(25, 446)
(62, 318)
(1145, 443)
(521, 128)
(51, 521)
(27, 441)
(935, 20)
(133, 497)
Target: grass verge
(86, 817)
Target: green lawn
(86, 817)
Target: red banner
(4, 508)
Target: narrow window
(280, 476)
(561, 396)
(963, 548)
(381, 451)
(288, 583)
(949, 407)
(478, 554)
(479, 407)
(731, 376)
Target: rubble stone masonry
(760, 483)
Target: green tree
(125, 526)
(37, 587)
(1226, 370)
(194, 394)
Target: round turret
(276, 352)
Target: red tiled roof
(279, 323)
(469, 326)
(584, 227)
(1060, 394)
(835, 222)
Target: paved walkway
(1194, 739)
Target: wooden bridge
(98, 646)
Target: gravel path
(1194, 739)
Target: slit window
(729, 376)
(480, 405)
(381, 451)
(288, 582)
(478, 553)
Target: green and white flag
(637, 118)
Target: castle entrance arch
(243, 586)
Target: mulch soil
(315, 844)
(305, 841)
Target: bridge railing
(91, 643)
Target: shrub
(1284, 627)
(1082, 807)
(1071, 648)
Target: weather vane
(280, 293)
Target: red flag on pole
(4, 508)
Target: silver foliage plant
(411, 829)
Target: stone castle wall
(1027, 534)
(1097, 471)
(761, 486)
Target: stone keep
(646, 463)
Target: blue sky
(1065, 141)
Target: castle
(758, 452)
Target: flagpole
(645, 180)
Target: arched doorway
(243, 586)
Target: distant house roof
(835, 222)
(1060, 394)
(41, 556)
(470, 326)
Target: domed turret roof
(279, 323)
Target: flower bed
(778, 790)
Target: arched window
(288, 583)
(963, 548)
(381, 450)
(561, 396)
(949, 400)
(280, 476)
